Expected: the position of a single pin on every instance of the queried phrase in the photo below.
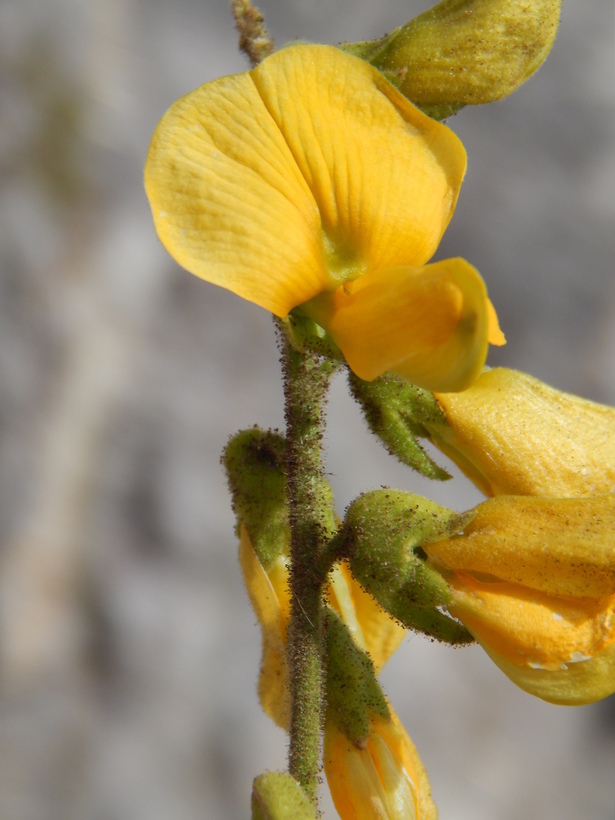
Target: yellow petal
(428, 325)
(228, 200)
(386, 779)
(578, 684)
(281, 182)
(495, 335)
(372, 628)
(385, 177)
(273, 684)
(512, 434)
(270, 598)
(564, 644)
(563, 546)
(268, 591)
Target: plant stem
(312, 524)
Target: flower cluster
(532, 576)
(312, 187)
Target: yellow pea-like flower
(533, 580)
(311, 184)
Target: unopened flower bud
(382, 777)
(254, 462)
(278, 796)
(465, 52)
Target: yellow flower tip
(559, 649)
(384, 778)
(270, 599)
(312, 177)
(494, 334)
(559, 546)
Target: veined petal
(429, 324)
(561, 649)
(384, 780)
(512, 434)
(562, 546)
(228, 200)
(385, 177)
(372, 628)
(307, 170)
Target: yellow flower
(384, 777)
(384, 780)
(532, 576)
(512, 434)
(311, 184)
(533, 579)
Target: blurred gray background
(128, 651)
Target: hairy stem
(312, 523)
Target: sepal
(397, 412)
(383, 535)
(353, 693)
(305, 334)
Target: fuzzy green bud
(383, 533)
(397, 413)
(465, 52)
(254, 463)
(278, 796)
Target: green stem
(312, 524)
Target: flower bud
(254, 463)
(278, 796)
(383, 532)
(465, 52)
(374, 634)
(512, 434)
